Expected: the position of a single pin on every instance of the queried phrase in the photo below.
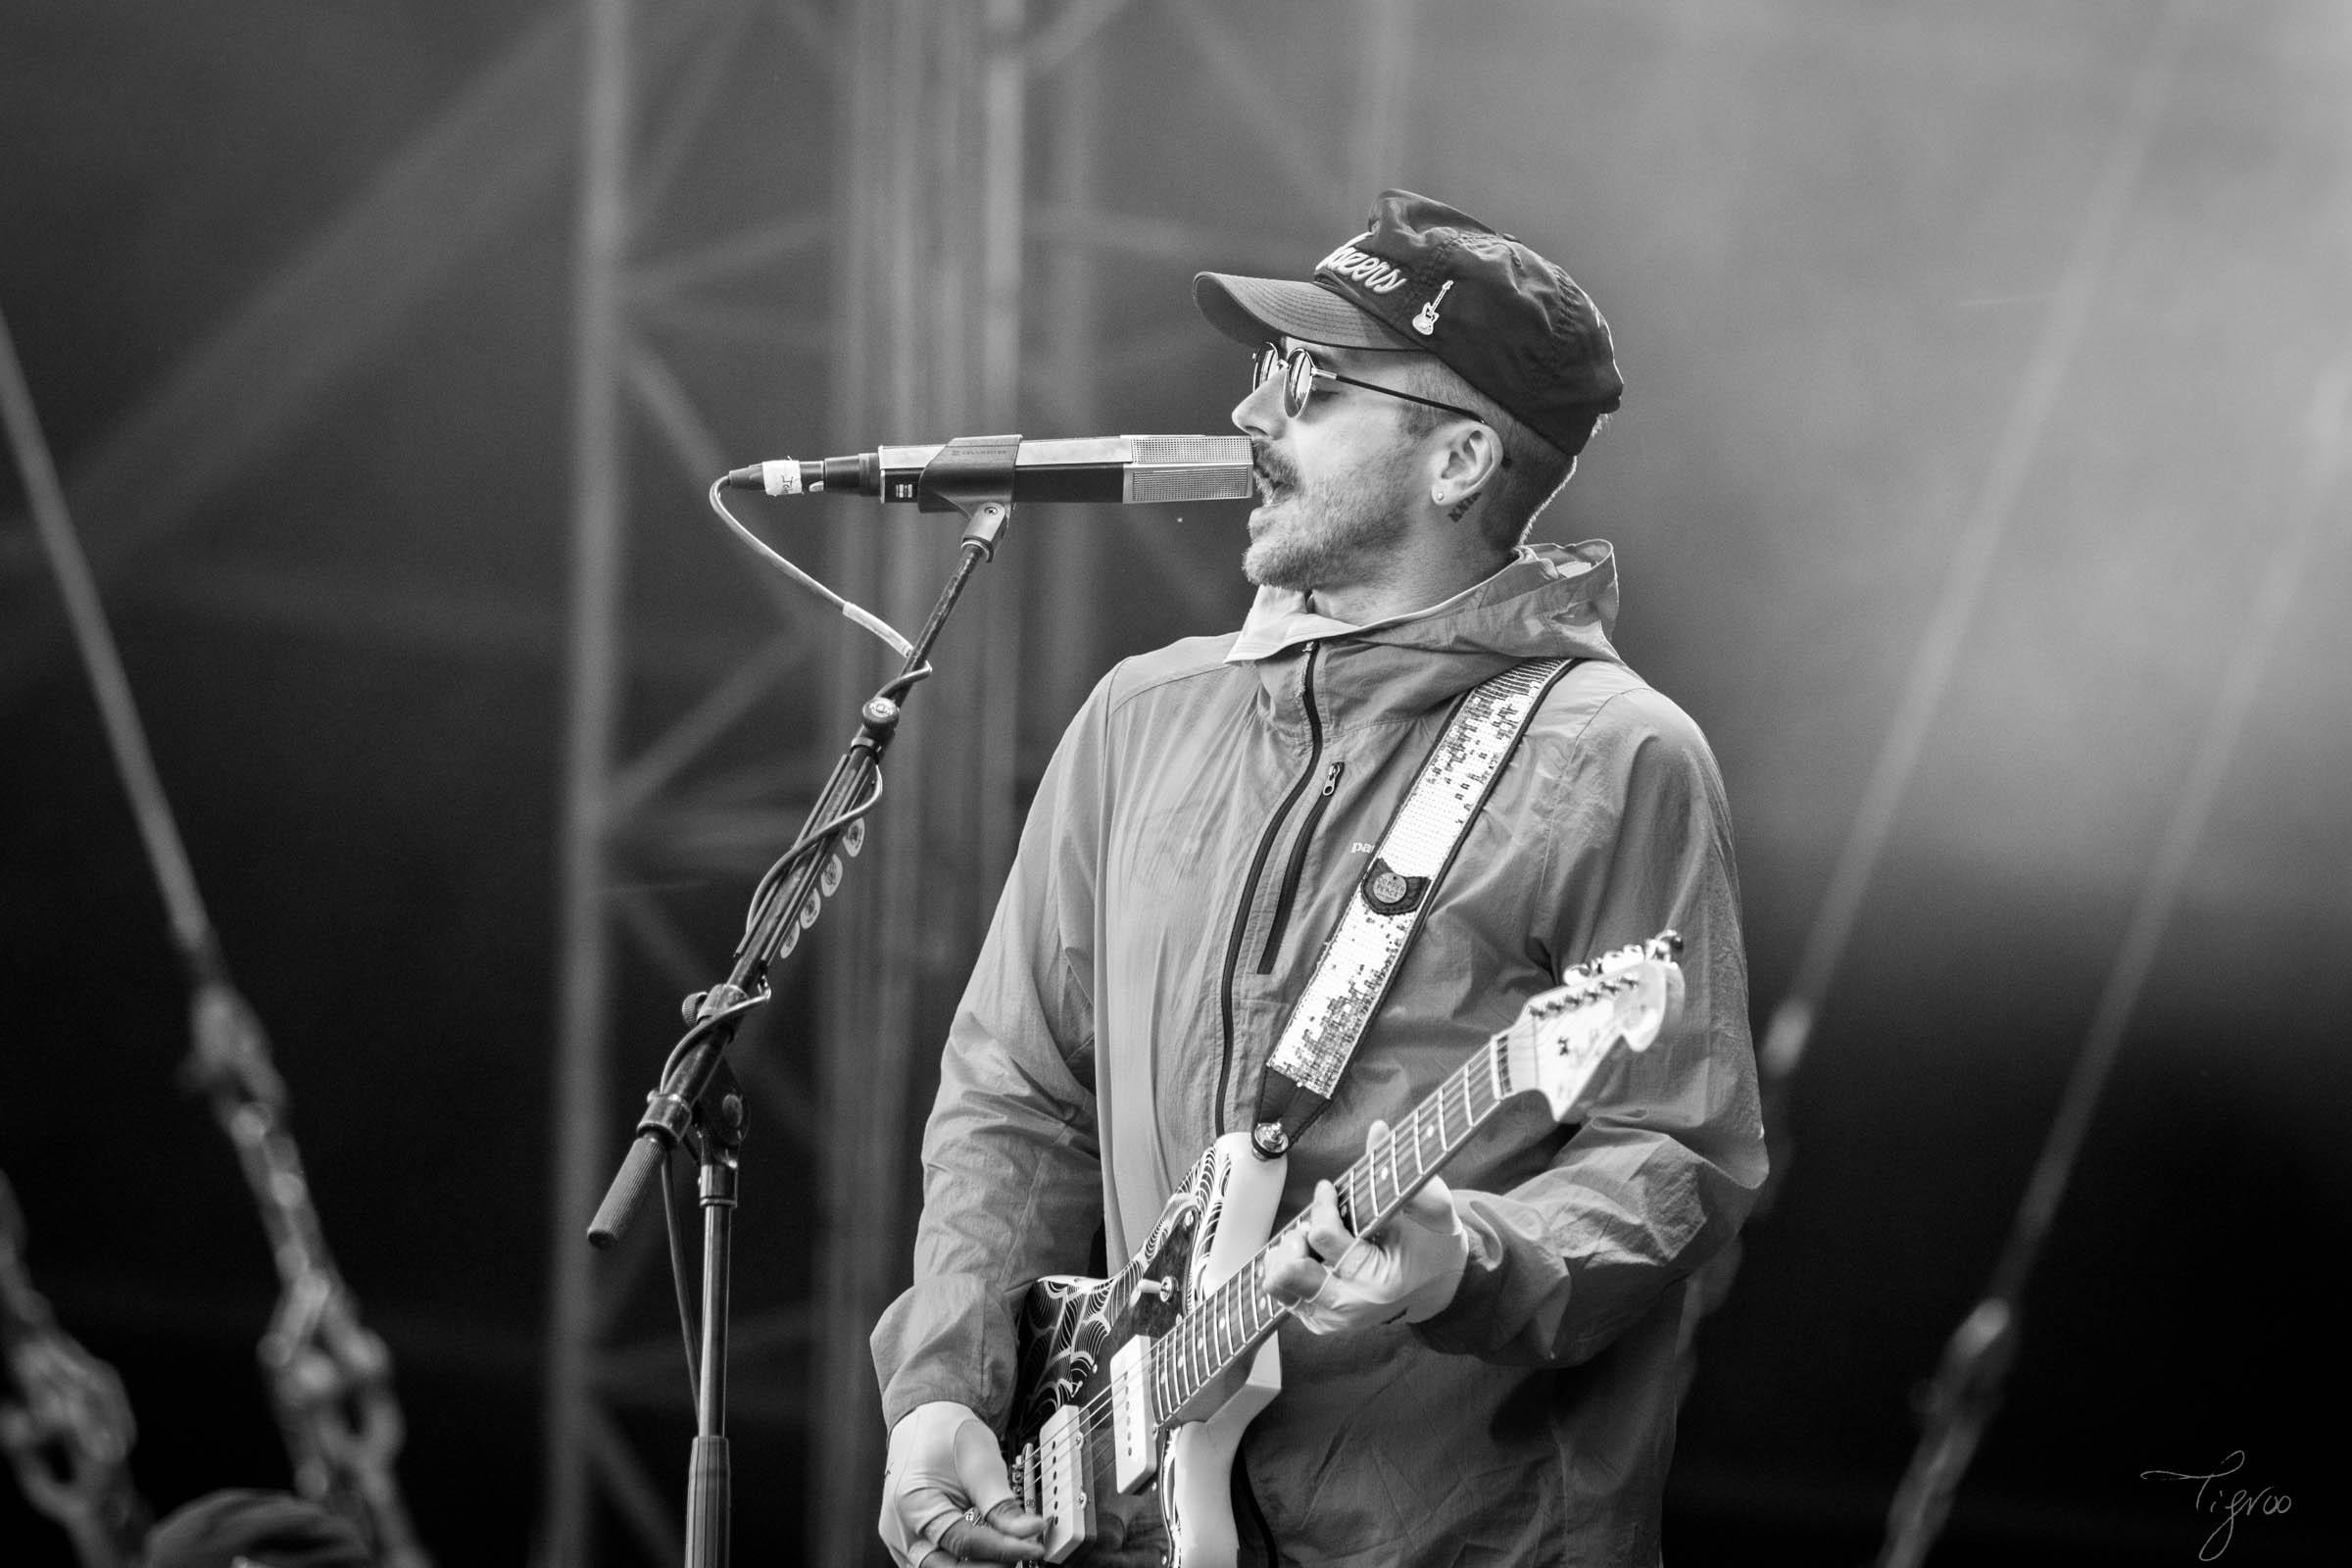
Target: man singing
(1492, 1377)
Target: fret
(1430, 1144)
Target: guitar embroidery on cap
(1426, 322)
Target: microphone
(1122, 469)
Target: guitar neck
(1237, 1316)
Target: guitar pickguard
(1070, 1325)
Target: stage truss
(894, 257)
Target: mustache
(1272, 469)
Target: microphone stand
(697, 1102)
(710, 1483)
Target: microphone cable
(855, 613)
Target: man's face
(1335, 484)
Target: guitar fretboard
(1240, 1313)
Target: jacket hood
(1550, 601)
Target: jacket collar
(1543, 595)
(1549, 602)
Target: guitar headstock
(1564, 1035)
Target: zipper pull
(1331, 781)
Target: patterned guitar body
(1071, 1323)
(1060, 1450)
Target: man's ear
(1467, 463)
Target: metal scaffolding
(932, 109)
(625, 811)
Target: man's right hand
(944, 1495)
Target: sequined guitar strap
(1358, 964)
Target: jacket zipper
(1258, 867)
(1297, 866)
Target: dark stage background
(293, 284)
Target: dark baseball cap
(258, 1529)
(1431, 279)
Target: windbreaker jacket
(1195, 839)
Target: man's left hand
(1408, 1269)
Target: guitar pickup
(1062, 1483)
(1134, 1456)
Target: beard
(1329, 534)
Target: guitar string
(1198, 1330)
(1098, 1410)
(1081, 1437)
(1223, 1302)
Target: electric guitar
(1150, 1376)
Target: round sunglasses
(1299, 372)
